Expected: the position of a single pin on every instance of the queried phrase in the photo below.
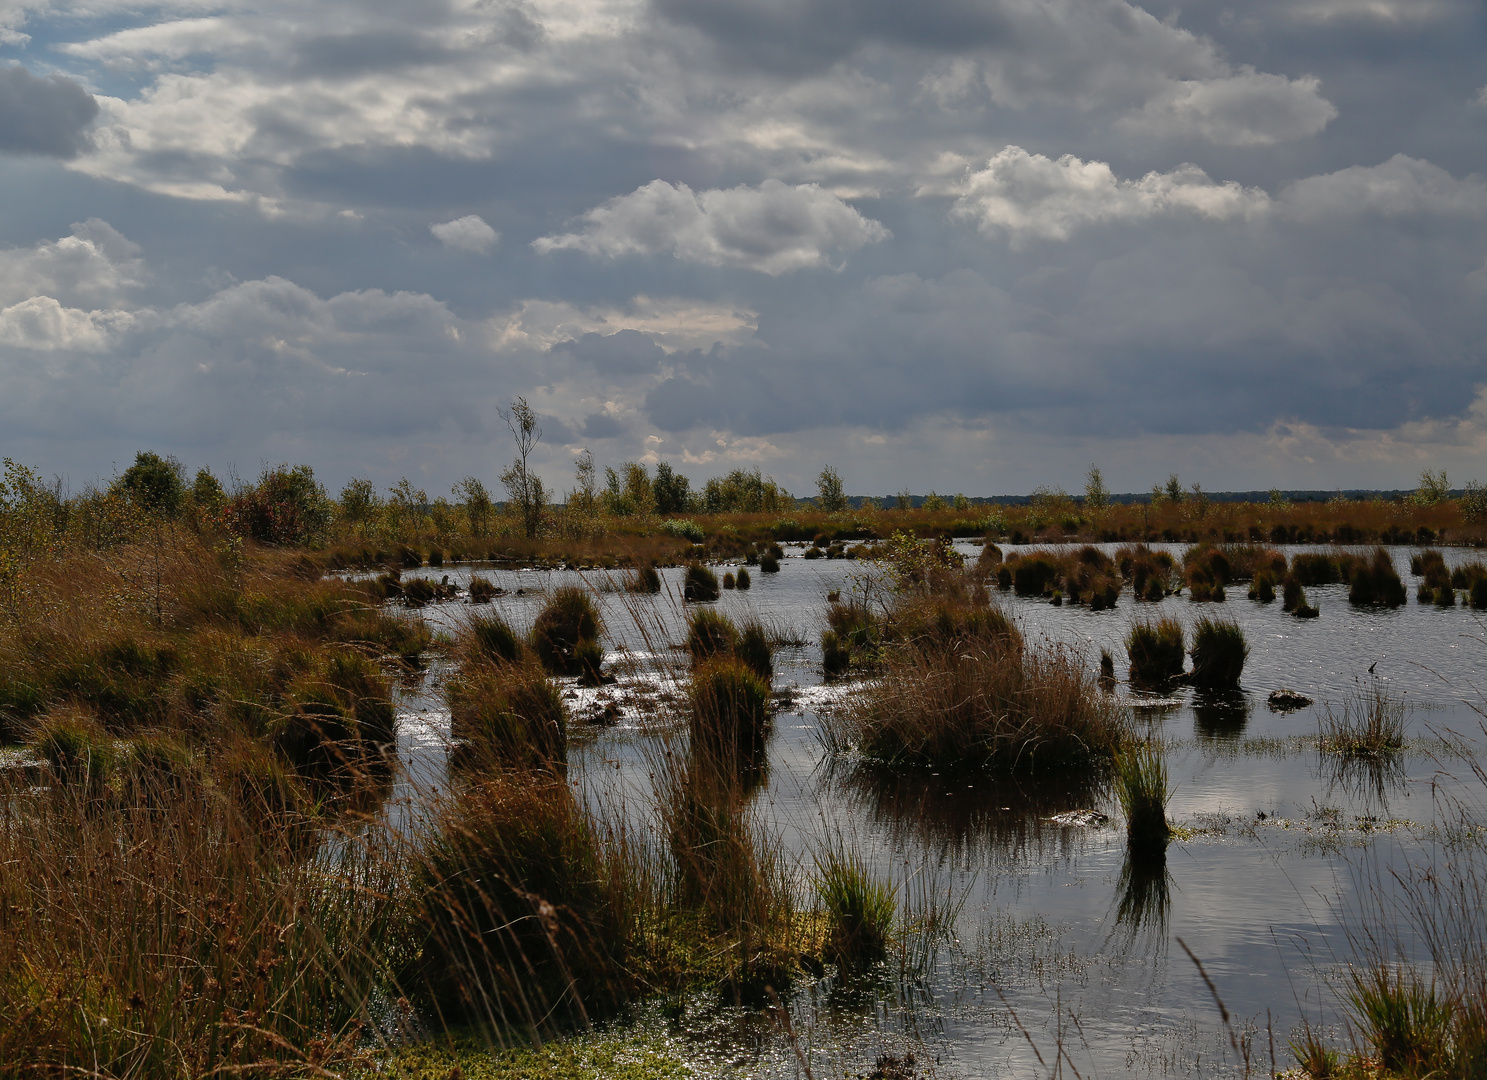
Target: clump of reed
(729, 711)
(1369, 724)
(743, 579)
(482, 590)
(1293, 598)
(1262, 588)
(769, 563)
(489, 639)
(1155, 649)
(566, 621)
(1414, 1028)
(1152, 574)
(1376, 583)
(699, 583)
(645, 579)
(509, 714)
(853, 636)
(185, 940)
(523, 913)
(958, 689)
(728, 581)
(1086, 576)
(1142, 788)
(1219, 652)
(1436, 586)
(1206, 571)
(713, 635)
(77, 748)
(860, 907)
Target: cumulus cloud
(43, 324)
(47, 116)
(469, 233)
(773, 228)
(1250, 108)
(1028, 197)
(1400, 187)
(95, 264)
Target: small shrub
(700, 583)
(1219, 651)
(1141, 786)
(482, 590)
(730, 712)
(566, 620)
(1155, 650)
(859, 907)
(744, 581)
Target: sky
(963, 245)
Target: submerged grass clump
(1376, 583)
(699, 583)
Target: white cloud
(1028, 196)
(774, 228)
(43, 324)
(1387, 11)
(94, 265)
(1402, 186)
(672, 323)
(469, 233)
(1248, 109)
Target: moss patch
(596, 1057)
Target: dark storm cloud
(47, 116)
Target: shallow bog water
(1056, 945)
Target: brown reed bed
(958, 689)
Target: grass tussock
(1369, 724)
(567, 622)
(509, 715)
(729, 712)
(1152, 574)
(1142, 788)
(1219, 652)
(1085, 576)
(959, 689)
(699, 583)
(523, 913)
(860, 907)
(1155, 649)
(180, 936)
(1376, 583)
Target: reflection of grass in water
(1145, 896)
(964, 816)
(1220, 716)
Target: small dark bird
(1372, 666)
